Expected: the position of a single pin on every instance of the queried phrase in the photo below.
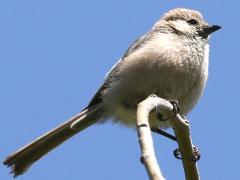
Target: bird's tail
(22, 159)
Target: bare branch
(181, 130)
(145, 138)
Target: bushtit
(170, 60)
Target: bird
(170, 60)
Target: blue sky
(54, 55)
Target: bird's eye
(192, 21)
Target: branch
(189, 155)
(181, 130)
(145, 139)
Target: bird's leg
(163, 133)
(176, 110)
(195, 157)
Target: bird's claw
(195, 154)
(177, 154)
(176, 107)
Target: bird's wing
(112, 74)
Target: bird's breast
(171, 76)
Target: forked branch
(181, 130)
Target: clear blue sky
(54, 55)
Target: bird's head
(187, 22)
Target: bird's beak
(210, 29)
(207, 30)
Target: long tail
(22, 159)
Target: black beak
(207, 30)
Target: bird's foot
(195, 154)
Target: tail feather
(22, 159)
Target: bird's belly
(124, 95)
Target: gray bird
(170, 60)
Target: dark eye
(192, 21)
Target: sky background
(53, 57)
